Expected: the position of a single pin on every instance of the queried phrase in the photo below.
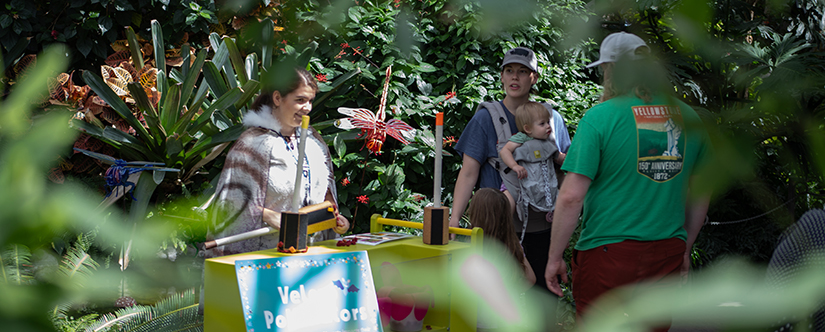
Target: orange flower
(364, 199)
(321, 78)
(450, 95)
(345, 181)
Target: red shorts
(603, 268)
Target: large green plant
(192, 123)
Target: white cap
(618, 45)
(521, 55)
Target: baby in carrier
(530, 177)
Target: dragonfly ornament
(118, 173)
(373, 127)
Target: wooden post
(436, 225)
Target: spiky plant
(176, 313)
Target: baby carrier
(540, 188)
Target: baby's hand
(522, 173)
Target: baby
(530, 154)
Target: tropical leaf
(116, 58)
(16, 266)
(118, 86)
(120, 45)
(24, 64)
(134, 48)
(175, 313)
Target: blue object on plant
(118, 173)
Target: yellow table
(419, 264)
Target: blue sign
(324, 293)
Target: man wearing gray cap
(631, 169)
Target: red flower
(283, 41)
(363, 199)
(321, 78)
(345, 181)
(344, 46)
(54, 34)
(396, 3)
(449, 141)
(450, 95)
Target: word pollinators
(318, 307)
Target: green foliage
(16, 266)
(176, 313)
(91, 25)
(27, 148)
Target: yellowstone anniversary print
(660, 142)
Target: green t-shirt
(639, 157)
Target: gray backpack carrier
(536, 156)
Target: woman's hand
(341, 224)
(272, 218)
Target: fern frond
(16, 265)
(175, 313)
(76, 262)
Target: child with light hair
(530, 179)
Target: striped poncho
(259, 172)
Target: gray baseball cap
(521, 55)
(619, 45)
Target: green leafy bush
(90, 26)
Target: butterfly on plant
(373, 127)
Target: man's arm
(467, 178)
(695, 213)
(565, 219)
(506, 155)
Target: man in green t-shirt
(630, 168)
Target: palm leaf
(175, 313)
(15, 265)
(77, 263)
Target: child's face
(517, 80)
(539, 129)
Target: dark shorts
(601, 269)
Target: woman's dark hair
(285, 84)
